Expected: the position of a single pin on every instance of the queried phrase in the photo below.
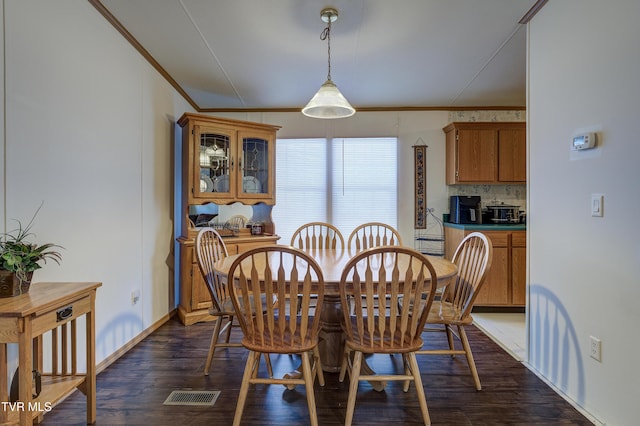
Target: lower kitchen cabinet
(505, 285)
(519, 267)
(195, 300)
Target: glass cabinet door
(214, 163)
(255, 166)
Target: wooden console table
(24, 320)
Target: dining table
(332, 263)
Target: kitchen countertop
(487, 226)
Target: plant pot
(11, 285)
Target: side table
(24, 319)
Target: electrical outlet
(595, 348)
(135, 296)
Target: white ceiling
(267, 55)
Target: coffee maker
(465, 209)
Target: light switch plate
(597, 204)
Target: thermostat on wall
(584, 141)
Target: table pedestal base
(331, 344)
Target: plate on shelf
(251, 185)
(215, 152)
(206, 184)
(221, 184)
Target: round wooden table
(332, 263)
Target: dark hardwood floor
(132, 390)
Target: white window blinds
(301, 185)
(364, 185)
(345, 182)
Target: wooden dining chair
(317, 235)
(400, 272)
(210, 248)
(373, 234)
(473, 257)
(237, 222)
(278, 272)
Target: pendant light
(328, 102)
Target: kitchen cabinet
(512, 155)
(519, 268)
(505, 285)
(224, 161)
(485, 152)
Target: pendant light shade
(328, 102)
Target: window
(345, 182)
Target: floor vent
(193, 398)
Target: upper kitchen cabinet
(226, 161)
(512, 154)
(488, 153)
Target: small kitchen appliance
(465, 209)
(503, 213)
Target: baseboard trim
(528, 366)
(566, 397)
(105, 363)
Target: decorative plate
(221, 184)
(251, 185)
(206, 184)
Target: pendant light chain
(326, 35)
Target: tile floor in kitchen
(506, 329)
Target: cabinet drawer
(248, 246)
(498, 238)
(56, 317)
(232, 249)
(519, 239)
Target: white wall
(89, 132)
(584, 68)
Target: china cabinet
(227, 160)
(195, 300)
(224, 161)
(486, 152)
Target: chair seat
(382, 343)
(228, 309)
(445, 313)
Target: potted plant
(19, 258)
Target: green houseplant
(20, 257)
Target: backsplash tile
(515, 195)
(488, 115)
